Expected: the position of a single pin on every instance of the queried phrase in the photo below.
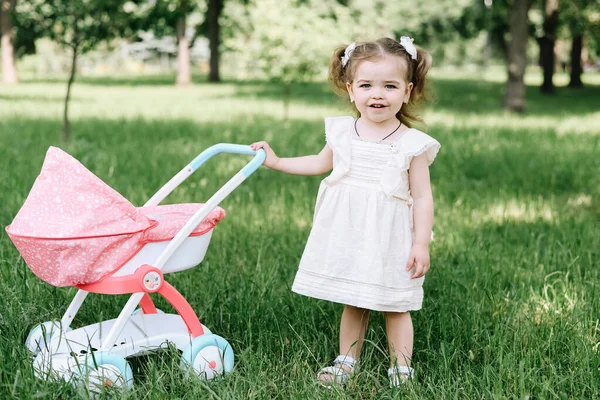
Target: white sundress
(362, 230)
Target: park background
(511, 307)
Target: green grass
(511, 307)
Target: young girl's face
(379, 88)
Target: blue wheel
(105, 370)
(208, 355)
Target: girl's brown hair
(416, 72)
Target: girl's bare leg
(352, 334)
(400, 337)
(352, 330)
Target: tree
(211, 28)
(514, 99)
(184, 71)
(581, 20)
(27, 30)
(292, 40)
(79, 26)
(285, 47)
(9, 71)
(215, 7)
(576, 70)
(547, 42)
(171, 18)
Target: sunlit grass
(511, 304)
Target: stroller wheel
(139, 310)
(106, 370)
(40, 336)
(208, 355)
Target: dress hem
(349, 293)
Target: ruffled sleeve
(394, 180)
(338, 139)
(335, 129)
(417, 143)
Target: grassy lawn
(511, 304)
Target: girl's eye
(365, 85)
(390, 86)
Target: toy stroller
(74, 230)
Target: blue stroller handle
(252, 166)
(259, 157)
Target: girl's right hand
(272, 158)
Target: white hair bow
(348, 53)
(408, 45)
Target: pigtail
(420, 92)
(337, 73)
(420, 68)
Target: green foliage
(275, 43)
(27, 31)
(293, 40)
(160, 16)
(581, 17)
(82, 24)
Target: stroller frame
(57, 357)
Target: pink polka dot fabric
(171, 218)
(74, 229)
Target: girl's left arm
(420, 189)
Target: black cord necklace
(394, 131)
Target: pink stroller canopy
(68, 201)
(73, 228)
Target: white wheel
(208, 356)
(55, 366)
(104, 377)
(208, 363)
(40, 336)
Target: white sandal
(400, 375)
(342, 369)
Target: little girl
(369, 244)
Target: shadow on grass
(523, 162)
(142, 80)
(456, 96)
(481, 97)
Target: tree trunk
(547, 58)
(214, 37)
(514, 99)
(9, 71)
(487, 51)
(500, 40)
(576, 70)
(66, 128)
(184, 74)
